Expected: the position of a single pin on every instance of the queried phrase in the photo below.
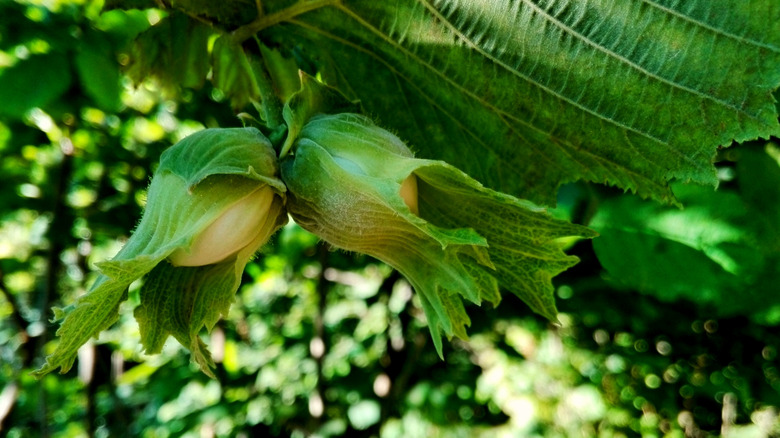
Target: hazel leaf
(527, 95)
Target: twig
(198, 18)
(262, 21)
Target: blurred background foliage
(668, 326)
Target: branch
(262, 21)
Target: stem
(262, 21)
(272, 106)
(286, 146)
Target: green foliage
(98, 73)
(23, 87)
(720, 250)
(46, 54)
(175, 51)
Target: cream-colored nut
(238, 226)
(409, 193)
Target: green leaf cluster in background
(42, 53)
(175, 51)
(721, 250)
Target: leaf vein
(711, 28)
(554, 93)
(610, 53)
(502, 114)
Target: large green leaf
(527, 94)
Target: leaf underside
(525, 95)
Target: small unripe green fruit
(237, 227)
